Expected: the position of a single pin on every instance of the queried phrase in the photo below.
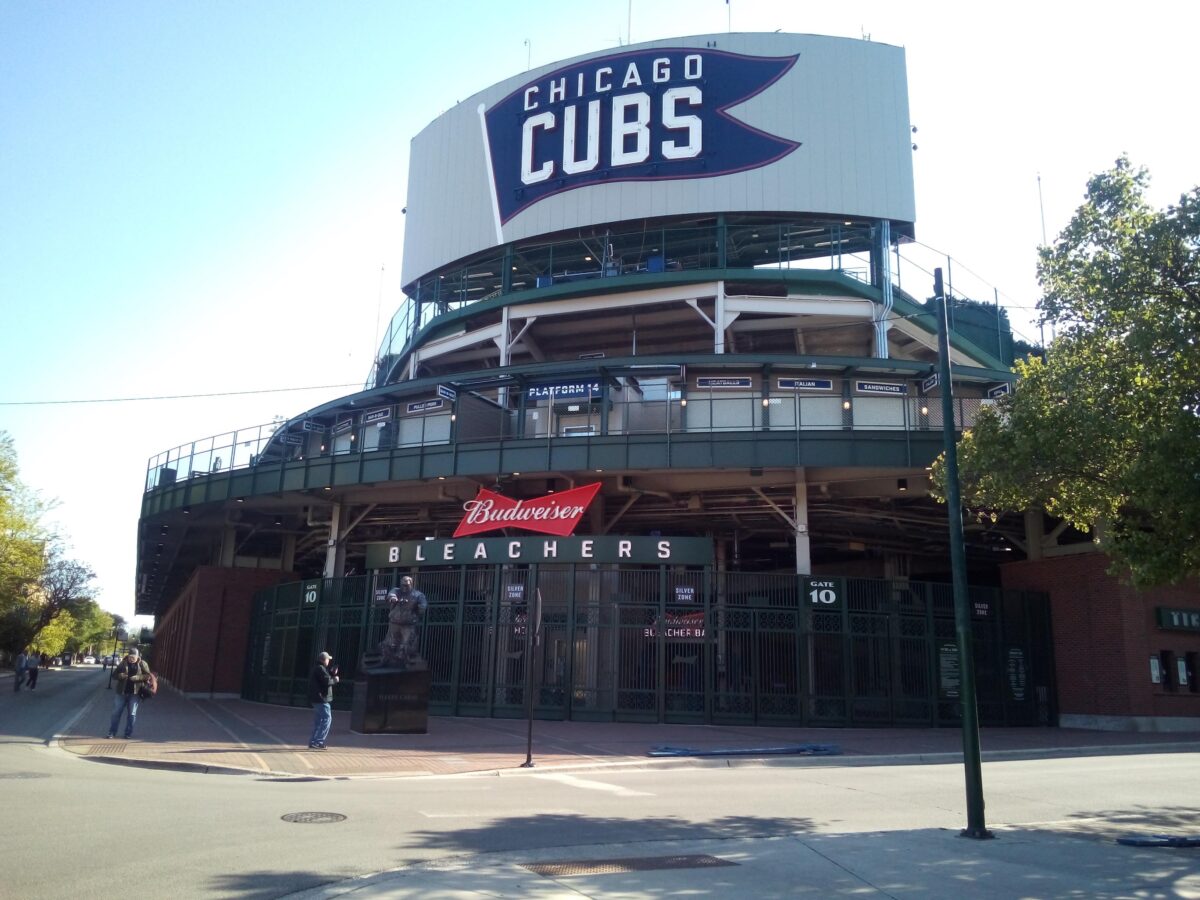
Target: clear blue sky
(200, 198)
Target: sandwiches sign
(553, 514)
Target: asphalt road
(79, 828)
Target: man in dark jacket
(320, 695)
(128, 677)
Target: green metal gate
(671, 644)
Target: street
(78, 828)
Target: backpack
(149, 686)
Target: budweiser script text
(556, 514)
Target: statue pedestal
(391, 701)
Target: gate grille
(656, 644)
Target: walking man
(320, 694)
(19, 671)
(130, 674)
(31, 667)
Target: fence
(700, 412)
(657, 644)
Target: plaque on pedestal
(391, 701)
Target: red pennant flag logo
(553, 514)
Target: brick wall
(200, 644)
(1105, 633)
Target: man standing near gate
(320, 694)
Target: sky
(200, 203)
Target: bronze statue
(399, 647)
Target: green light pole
(958, 571)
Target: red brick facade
(1105, 634)
(200, 644)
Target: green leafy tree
(23, 542)
(92, 626)
(55, 637)
(1106, 429)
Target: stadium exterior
(658, 389)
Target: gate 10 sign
(824, 593)
(312, 592)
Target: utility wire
(318, 387)
(326, 387)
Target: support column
(228, 546)
(803, 542)
(719, 316)
(883, 313)
(287, 559)
(335, 555)
(1035, 534)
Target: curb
(660, 763)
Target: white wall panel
(845, 100)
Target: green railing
(476, 417)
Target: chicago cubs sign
(711, 124)
(635, 116)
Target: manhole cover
(313, 818)
(564, 868)
(24, 775)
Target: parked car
(56, 661)
(89, 660)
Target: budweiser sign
(553, 514)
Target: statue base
(391, 701)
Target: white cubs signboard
(645, 115)
(715, 123)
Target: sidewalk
(236, 736)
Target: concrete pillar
(1035, 534)
(287, 559)
(332, 555)
(719, 316)
(228, 546)
(803, 543)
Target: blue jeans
(322, 719)
(121, 703)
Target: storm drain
(569, 867)
(109, 749)
(314, 818)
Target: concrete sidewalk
(237, 736)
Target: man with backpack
(129, 675)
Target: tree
(55, 637)
(1106, 429)
(23, 542)
(91, 627)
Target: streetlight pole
(114, 660)
(958, 572)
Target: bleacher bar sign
(553, 514)
(643, 115)
(689, 551)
